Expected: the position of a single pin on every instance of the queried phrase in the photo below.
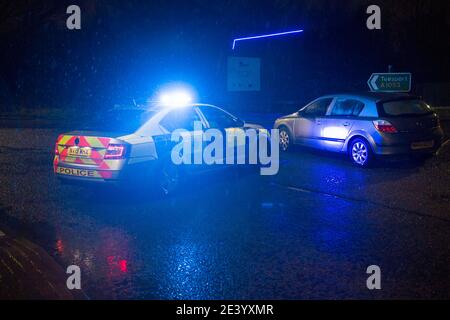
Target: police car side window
(217, 118)
(180, 119)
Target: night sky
(127, 49)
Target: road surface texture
(308, 233)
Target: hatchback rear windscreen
(406, 108)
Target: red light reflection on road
(115, 263)
(59, 246)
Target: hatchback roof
(379, 96)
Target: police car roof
(158, 107)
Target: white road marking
(2, 234)
(367, 201)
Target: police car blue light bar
(177, 98)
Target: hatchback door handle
(318, 122)
(346, 124)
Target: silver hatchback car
(364, 126)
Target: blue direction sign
(390, 82)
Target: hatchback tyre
(285, 140)
(360, 153)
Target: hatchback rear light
(115, 151)
(384, 126)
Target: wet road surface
(309, 232)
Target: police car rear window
(120, 120)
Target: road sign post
(390, 82)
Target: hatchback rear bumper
(402, 144)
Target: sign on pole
(390, 82)
(244, 74)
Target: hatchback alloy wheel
(284, 140)
(360, 153)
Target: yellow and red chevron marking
(55, 163)
(93, 142)
(95, 158)
(105, 173)
(98, 147)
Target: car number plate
(422, 145)
(80, 152)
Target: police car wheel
(169, 179)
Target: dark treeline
(126, 49)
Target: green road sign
(244, 74)
(390, 82)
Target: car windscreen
(127, 121)
(406, 108)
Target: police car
(134, 144)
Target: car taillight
(384, 126)
(115, 151)
(56, 145)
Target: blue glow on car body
(266, 36)
(339, 133)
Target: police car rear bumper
(91, 175)
(141, 172)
